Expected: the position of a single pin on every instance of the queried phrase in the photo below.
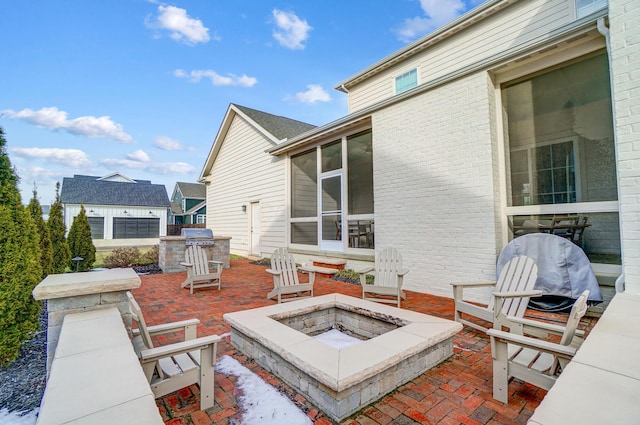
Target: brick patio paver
(458, 391)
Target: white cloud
(216, 79)
(437, 13)
(150, 166)
(315, 93)
(168, 144)
(182, 28)
(70, 157)
(54, 119)
(292, 32)
(139, 155)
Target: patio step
(331, 265)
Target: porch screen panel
(305, 233)
(304, 183)
(132, 228)
(560, 135)
(97, 227)
(360, 173)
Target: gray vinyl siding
(242, 173)
(515, 25)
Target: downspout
(604, 30)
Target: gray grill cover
(563, 267)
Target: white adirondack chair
(388, 274)
(171, 367)
(285, 277)
(510, 297)
(533, 360)
(199, 275)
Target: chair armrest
(165, 351)
(215, 262)
(522, 294)
(274, 272)
(534, 325)
(473, 284)
(533, 343)
(403, 272)
(186, 264)
(365, 270)
(168, 327)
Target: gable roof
(278, 126)
(275, 128)
(192, 190)
(91, 190)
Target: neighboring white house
(246, 185)
(188, 204)
(121, 211)
(518, 110)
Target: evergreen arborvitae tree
(80, 242)
(57, 229)
(46, 252)
(20, 269)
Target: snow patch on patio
(18, 418)
(260, 402)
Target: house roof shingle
(81, 189)
(280, 127)
(192, 190)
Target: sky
(141, 87)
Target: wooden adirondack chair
(537, 361)
(511, 296)
(285, 277)
(388, 274)
(174, 366)
(198, 273)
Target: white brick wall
(435, 186)
(624, 18)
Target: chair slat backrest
(197, 256)
(136, 315)
(388, 264)
(519, 274)
(282, 261)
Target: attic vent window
(587, 7)
(407, 81)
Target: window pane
(586, 7)
(406, 81)
(560, 136)
(331, 156)
(361, 234)
(597, 233)
(360, 173)
(304, 178)
(97, 227)
(331, 192)
(304, 233)
(132, 228)
(331, 228)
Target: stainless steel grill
(197, 236)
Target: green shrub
(46, 251)
(149, 257)
(352, 276)
(20, 269)
(122, 257)
(57, 229)
(80, 243)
